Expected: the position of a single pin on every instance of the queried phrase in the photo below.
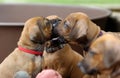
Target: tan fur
(65, 61)
(21, 61)
(104, 56)
(54, 19)
(78, 24)
(51, 17)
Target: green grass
(69, 2)
(78, 1)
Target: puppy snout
(92, 72)
(55, 32)
(55, 23)
(59, 30)
(83, 66)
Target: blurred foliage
(71, 2)
(77, 1)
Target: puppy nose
(92, 72)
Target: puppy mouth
(54, 33)
(93, 72)
(55, 44)
(85, 69)
(54, 28)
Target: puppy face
(40, 29)
(36, 31)
(101, 55)
(73, 26)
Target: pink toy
(49, 73)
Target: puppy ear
(111, 57)
(80, 29)
(35, 34)
(92, 26)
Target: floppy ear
(80, 29)
(34, 34)
(111, 57)
(93, 29)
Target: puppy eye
(47, 22)
(92, 53)
(66, 25)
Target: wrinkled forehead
(53, 17)
(98, 46)
(69, 20)
(35, 21)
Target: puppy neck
(30, 51)
(26, 43)
(28, 46)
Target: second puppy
(103, 57)
(60, 57)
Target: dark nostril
(92, 72)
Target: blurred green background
(66, 2)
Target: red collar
(30, 51)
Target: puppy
(59, 56)
(103, 57)
(27, 56)
(79, 28)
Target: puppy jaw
(36, 31)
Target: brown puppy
(79, 28)
(103, 57)
(60, 57)
(27, 57)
